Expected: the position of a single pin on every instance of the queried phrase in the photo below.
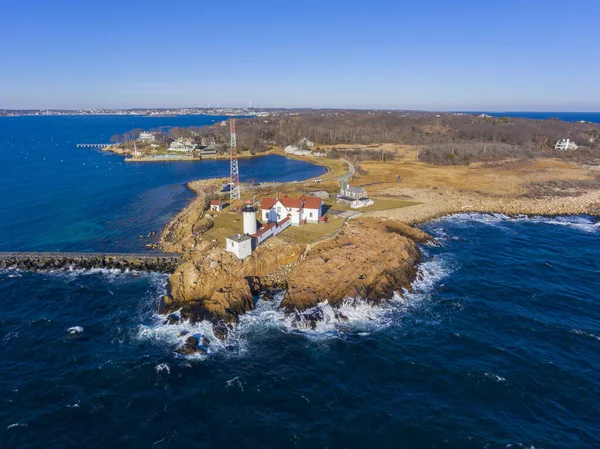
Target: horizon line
(495, 111)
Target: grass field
(225, 224)
(229, 223)
(510, 177)
(310, 233)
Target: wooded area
(442, 138)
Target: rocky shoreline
(371, 257)
(436, 204)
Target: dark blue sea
(497, 346)
(593, 117)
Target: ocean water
(497, 346)
(56, 197)
(593, 117)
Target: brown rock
(216, 285)
(369, 261)
(191, 346)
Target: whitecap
(587, 334)
(495, 377)
(235, 382)
(162, 367)
(11, 426)
(75, 330)
(175, 335)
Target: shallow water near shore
(57, 197)
(498, 346)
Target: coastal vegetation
(442, 138)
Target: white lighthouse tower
(249, 218)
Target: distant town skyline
(433, 55)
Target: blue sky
(434, 55)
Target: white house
(146, 137)
(292, 149)
(565, 144)
(355, 197)
(182, 146)
(305, 142)
(301, 210)
(357, 193)
(240, 245)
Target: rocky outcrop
(216, 285)
(192, 346)
(180, 234)
(369, 258)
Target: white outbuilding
(565, 144)
(240, 245)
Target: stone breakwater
(40, 261)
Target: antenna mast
(234, 178)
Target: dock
(43, 261)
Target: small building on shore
(565, 144)
(320, 194)
(146, 137)
(240, 245)
(182, 145)
(304, 142)
(293, 149)
(301, 210)
(208, 152)
(355, 197)
(216, 206)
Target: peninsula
(360, 242)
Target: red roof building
(301, 210)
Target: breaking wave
(581, 223)
(110, 275)
(353, 316)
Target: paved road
(351, 170)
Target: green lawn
(310, 233)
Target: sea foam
(353, 316)
(581, 223)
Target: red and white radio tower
(234, 193)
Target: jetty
(43, 261)
(93, 145)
